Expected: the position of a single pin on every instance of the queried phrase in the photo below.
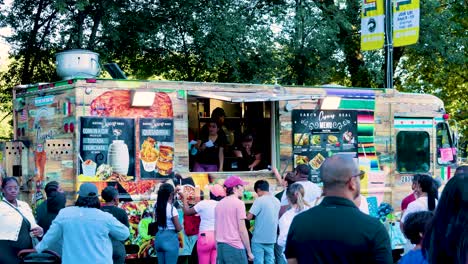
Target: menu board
(318, 134)
(107, 148)
(156, 147)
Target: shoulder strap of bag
(16, 209)
(155, 217)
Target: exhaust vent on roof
(114, 70)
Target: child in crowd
(414, 228)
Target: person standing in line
(265, 210)
(49, 209)
(17, 223)
(414, 230)
(412, 196)
(426, 191)
(111, 198)
(446, 238)
(311, 190)
(167, 242)
(206, 243)
(231, 233)
(336, 231)
(295, 194)
(85, 230)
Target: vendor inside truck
(240, 120)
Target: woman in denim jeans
(166, 242)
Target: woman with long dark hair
(167, 243)
(446, 238)
(17, 221)
(426, 193)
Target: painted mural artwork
(131, 149)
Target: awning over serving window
(244, 97)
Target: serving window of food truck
(248, 125)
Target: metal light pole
(389, 43)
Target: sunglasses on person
(360, 175)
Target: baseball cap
(51, 187)
(217, 190)
(109, 193)
(233, 181)
(88, 190)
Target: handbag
(153, 226)
(191, 224)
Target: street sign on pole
(405, 22)
(372, 24)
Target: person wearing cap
(265, 210)
(206, 243)
(336, 231)
(301, 176)
(231, 233)
(85, 230)
(111, 198)
(49, 209)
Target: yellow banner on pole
(405, 22)
(372, 24)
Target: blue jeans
(279, 256)
(263, 253)
(228, 254)
(166, 245)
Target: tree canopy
(300, 42)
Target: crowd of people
(302, 224)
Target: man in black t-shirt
(336, 231)
(111, 197)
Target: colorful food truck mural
(134, 135)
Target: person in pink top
(230, 230)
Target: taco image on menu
(316, 140)
(299, 159)
(317, 161)
(331, 139)
(301, 139)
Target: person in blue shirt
(84, 230)
(414, 229)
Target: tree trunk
(26, 74)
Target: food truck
(133, 135)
